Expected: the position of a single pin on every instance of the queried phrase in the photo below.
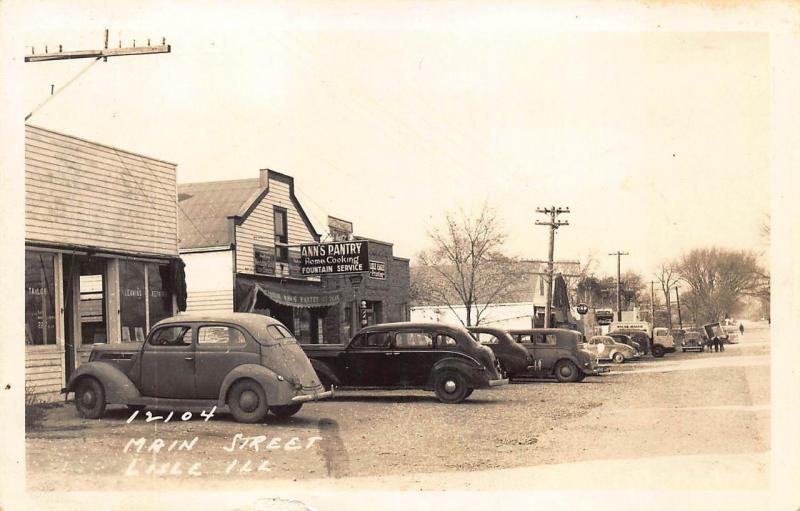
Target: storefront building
(241, 242)
(100, 252)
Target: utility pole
(103, 53)
(652, 303)
(553, 224)
(619, 298)
(678, 299)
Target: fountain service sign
(333, 258)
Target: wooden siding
(209, 301)
(44, 372)
(257, 229)
(86, 194)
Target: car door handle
(188, 358)
(388, 354)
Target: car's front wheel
(90, 398)
(566, 371)
(284, 411)
(451, 387)
(658, 351)
(247, 401)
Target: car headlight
(281, 378)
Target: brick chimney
(263, 178)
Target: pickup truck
(247, 363)
(430, 356)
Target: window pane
(172, 336)
(132, 304)
(160, 299)
(221, 335)
(445, 340)
(40, 319)
(378, 340)
(280, 224)
(413, 340)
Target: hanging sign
(333, 258)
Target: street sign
(582, 308)
(333, 258)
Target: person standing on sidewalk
(741, 329)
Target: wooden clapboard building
(240, 240)
(101, 251)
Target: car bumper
(597, 370)
(316, 396)
(498, 383)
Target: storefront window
(160, 299)
(132, 300)
(40, 320)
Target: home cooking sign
(332, 258)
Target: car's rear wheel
(451, 387)
(618, 358)
(247, 401)
(90, 398)
(285, 411)
(566, 372)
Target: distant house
(240, 240)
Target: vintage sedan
(247, 363)
(513, 357)
(428, 356)
(607, 348)
(639, 337)
(558, 353)
(626, 339)
(693, 341)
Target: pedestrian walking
(716, 344)
(741, 329)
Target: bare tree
(465, 265)
(667, 275)
(720, 278)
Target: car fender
(324, 369)
(119, 389)
(277, 392)
(572, 358)
(462, 365)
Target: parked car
(605, 348)
(249, 363)
(692, 341)
(639, 337)
(514, 359)
(626, 339)
(429, 356)
(662, 342)
(558, 353)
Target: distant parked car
(428, 356)
(607, 349)
(639, 337)
(693, 341)
(558, 353)
(513, 357)
(248, 362)
(626, 339)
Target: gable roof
(205, 208)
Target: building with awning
(241, 242)
(101, 252)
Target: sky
(392, 114)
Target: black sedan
(513, 357)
